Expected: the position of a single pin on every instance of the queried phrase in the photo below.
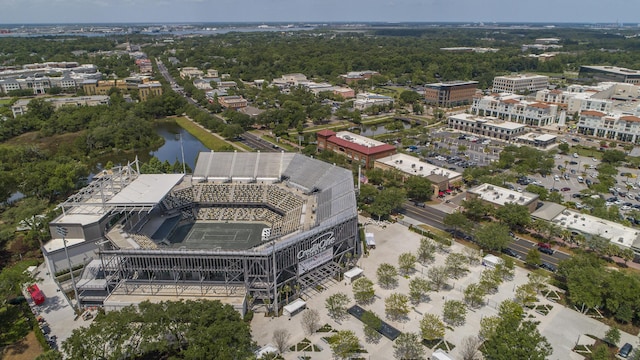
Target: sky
(165, 11)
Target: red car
(565, 189)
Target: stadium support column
(275, 281)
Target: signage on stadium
(318, 245)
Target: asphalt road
(434, 217)
(257, 143)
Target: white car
(594, 159)
(625, 208)
(575, 155)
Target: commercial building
(357, 148)
(514, 108)
(520, 83)
(486, 126)
(497, 196)
(441, 178)
(232, 102)
(538, 140)
(131, 233)
(367, 100)
(149, 89)
(605, 97)
(102, 87)
(21, 106)
(345, 92)
(355, 76)
(190, 72)
(610, 73)
(450, 94)
(619, 127)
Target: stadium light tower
(63, 231)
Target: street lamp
(62, 231)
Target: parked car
(545, 248)
(419, 204)
(565, 189)
(625, 350)
(548, 267)
(511, 253)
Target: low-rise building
(190, 72)
(520, 83)
(102, 87)
(355, 76)
(366, 100)
(345, 92)
(232, 102)
(149, 89)
(21, 106)
(357, 148)
(514, 108)
(441, 178)
(450, 94)
(610, 73)
(497, 196)
(486, 126)
(619, 127)
(537, 140)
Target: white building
(619, 127)
(498, 196)
(520, 83)
(190, 72)
(486, 126)
(365, 100)
(514, 108)
(20, 107)
(604, 97)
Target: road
(257, 143)
(434, 217)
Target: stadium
(248, 229)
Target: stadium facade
(128, 236)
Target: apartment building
(366, 100)
(520, 83)
(450, 94)
(514, 108)
(486, 126)
(610, 73)
(102, 87)
(619, 127)
(355, 147)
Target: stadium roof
(146, 190)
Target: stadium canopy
(145, 192)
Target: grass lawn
(206, 138)
(4, 102)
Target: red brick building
(355, 147)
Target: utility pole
(63, 231)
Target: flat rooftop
(613, 70)
(590, 225)
(358, 139)
(412, 165)
(500, 196)
(489, 120)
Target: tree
(438, 277)
(526, 295)
(396, 306)
(418, 288)
(507, 269)
(454, 312)
(336, 305)
(426, 251)
(488, 326)
(533, 258)
(457, 221)
(406, 262)
(538, 279)
(564, 148)
(310, 321)
(344, 344)
(542, 192)
(387, 200)
(609, 156)
(281, 339)
(419, 188)
(510, 337)
(408, 347)
(493, 236)
(50, 355)
(514, 215)
(363, 291)
(490, 279)
(612, 336)
(470, 348)
(387, 275)
(475, 209)
(190, 329)
(474, 295)
(431, 327)
(456, 265)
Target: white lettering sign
(317, 245)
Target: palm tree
(286, 289)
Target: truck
(36, 294)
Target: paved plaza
(561, 326)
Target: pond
(176, 140)
(371, 130)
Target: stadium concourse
(249, 229)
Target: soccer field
(218, 235)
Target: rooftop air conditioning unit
(421, 168)
(413, 165)
(400, 161)
(490, 187)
